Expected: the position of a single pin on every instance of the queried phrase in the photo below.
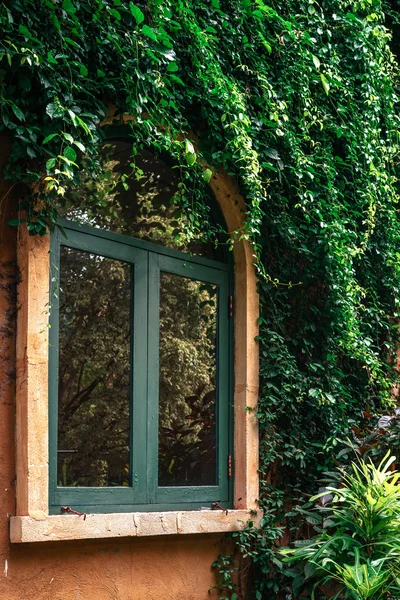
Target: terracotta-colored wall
(160, 568)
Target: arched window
(140, 364)
(137, 417)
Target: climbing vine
(296, 99)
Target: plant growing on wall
(298, 101)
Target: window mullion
(139, 358)
(153, 339)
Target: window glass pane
(94, 370)
(187, 396)
(136, 197)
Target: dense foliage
(356, 553)
(298, 101)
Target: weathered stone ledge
(116, 525)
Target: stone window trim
(32, 522)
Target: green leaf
(264, 42)
(62, 230)
(267, 46)
(70, 153)
(272, 153)
(115, 13)
(51, 59)
(49, 138)
(207, 174)
(190, 158)
(56, 22)
(18, 112)
(83, 70)
(54, 110)
(9, 16)
(316, 62)
(325, 83)
(78, 121)
(80, 146)
(68, 137)
(51, 163)
(149, 32)
(69, 7)
(24, 82)
(71, 42)
(176, 78)
(137, 13)
(297, 584)
(309, 570)
(172, 67)
(72, 115)
(24, 31)
(64, 159)
(311, 10)
(189, 147)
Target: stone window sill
(99, 526)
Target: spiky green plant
(357, 552)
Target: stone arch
(246, 369)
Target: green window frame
(147, 261)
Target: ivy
(298, 101)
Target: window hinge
(230, 306)
(229, 465)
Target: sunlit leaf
(325, 83)
(137, 13)
(149, 32)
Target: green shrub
(357, 552)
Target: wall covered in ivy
(297, 100)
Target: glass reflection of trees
(187, 403)
(94, 369)
(135, 198)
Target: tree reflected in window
(94, 370)
(187, 393)
(137, 196)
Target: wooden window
(93, 260)
(140, 375)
